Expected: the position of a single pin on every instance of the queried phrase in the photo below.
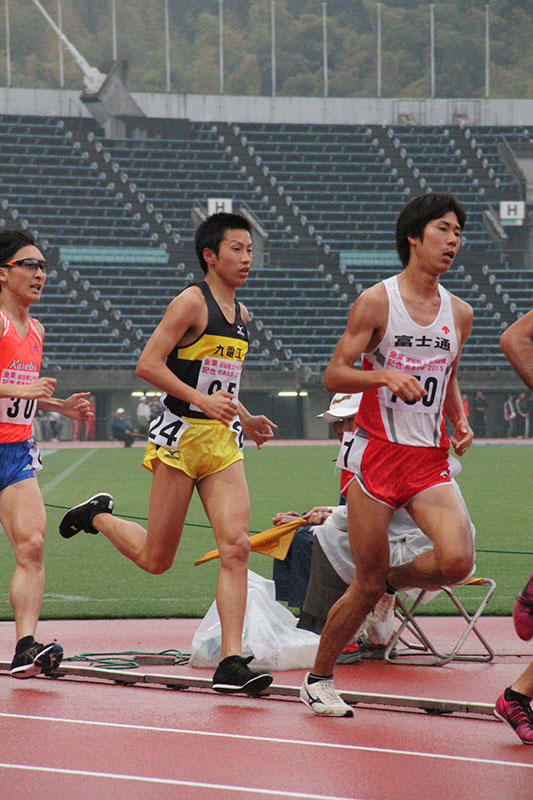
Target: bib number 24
(165, 431)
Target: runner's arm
(517, 344)
(36, 390)
(75, 407)
(366, 325)
(453, 403)
(181, 317)
(257, 427)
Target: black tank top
(214, 361)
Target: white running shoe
(323, 699)
(379, 623)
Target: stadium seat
(330, 191)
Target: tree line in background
(459, 46)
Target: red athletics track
(72, 738)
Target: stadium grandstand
(114, 199)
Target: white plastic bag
(270, 633)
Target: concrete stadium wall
(332, 110)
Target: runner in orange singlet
(22, 392)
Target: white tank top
(425, 351)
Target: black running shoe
(80, 517)
(233, 675)
(36, 659)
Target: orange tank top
(20, 361)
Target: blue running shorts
(18, 461)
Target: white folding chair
(410, 644)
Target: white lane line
(66, 473)
(271, 739)
(248, 790)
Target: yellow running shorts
(206, 447)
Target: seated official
(121, 428)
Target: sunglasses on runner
(28, 263)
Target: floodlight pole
(221, 45)
(167, 45)
(8, 45)
(273, 44)
(60, 46)
(378, 55)
(325, 47)
(114, 29)
(487, 51)
(92, 77)
(432, 47)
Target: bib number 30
(17, 410)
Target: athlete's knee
(235, 550)
(29, 549)
(155, 563)
(456, 567)
(369, 588)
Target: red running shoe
(523, 612)
(350, 654)
(518, 715)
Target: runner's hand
(221, 406)
(258, 428)
(462, 438)
(37, 389)
(403, 385)
(77, 406)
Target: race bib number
(17, 410)
(343, 459)
(351, 452)
(236, 427)
(431, 374)
(218, 374)
(167, 429)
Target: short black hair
(414, 217)
(12, 240)
(213, 229)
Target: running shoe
(323, 699)
(379, 624)
(519, 715)
(35, 659)
(350, 654)
(371, 651)
(523, 612)
(233, 675)
(80, 517)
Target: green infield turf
(87, 578)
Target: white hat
(342, 406)
(120, 411)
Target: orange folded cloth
(274, 542)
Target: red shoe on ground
(518, 715)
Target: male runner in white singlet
(409, 331)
